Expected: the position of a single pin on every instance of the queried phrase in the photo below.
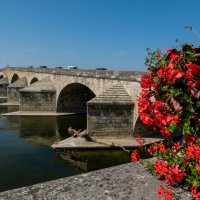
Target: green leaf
(164, 88)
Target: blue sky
(92, 33)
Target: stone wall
(3, 87)
(38, 101)
(3, 90)
(110, 114)
(106, 120)
(13, 94)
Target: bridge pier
(110, 115)
(13, 90)
(3, 86)
(39, 96)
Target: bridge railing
(105, 74)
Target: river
(26, 156)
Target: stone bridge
(108, 97)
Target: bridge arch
(33, 80)
(14, 78)
(73, 98)
(1, 76)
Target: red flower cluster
(195, 194)
(176, 147)
(178, 163)
(157, 147)
(174, 78)
(170, 73)
(190, 138)
(139, 140)
(175, 174)
(170, 102)
(170, 173)
(193, 151)
(192, 68)
(161, 168)
(164, 193)
(135, 156)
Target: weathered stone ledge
(125, 182)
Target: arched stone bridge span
(64, 90)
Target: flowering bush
(170, 93)
(170, 102)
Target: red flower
(164, 193)
(176, 147)
(165, 133)
(135, 156)
(172, 53)
(193, 68)
(170, 173)
(192, 84)
(150, 151)
(146, 119)
(157, 104)
(155, 147)
(190, 138)
(168, 51)
(190, 152)
(139, 140)
(174, 56)
(189, 76)
(175, 175)
(171, 73)
(143, 102)
(161, 72)
(162, 148)
(161, 167)
(193, 151)
(146, 80)
(195, 194)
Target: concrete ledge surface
(124, 182)
(100, 143)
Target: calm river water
(26, 156)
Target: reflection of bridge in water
(45, 130)
(108, 97)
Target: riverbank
(128, 181)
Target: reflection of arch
(33, 80)
(1, 76)
(73, 98)
(15, 77)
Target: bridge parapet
(105, 74)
